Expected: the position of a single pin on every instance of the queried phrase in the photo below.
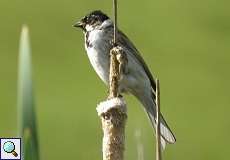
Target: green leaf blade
(26, 109)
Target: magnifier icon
(9, 147)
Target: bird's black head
(93, 19)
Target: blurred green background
(186, 43)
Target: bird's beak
(79, 24)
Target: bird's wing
(124, 40)
(167, 134)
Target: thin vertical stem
(158, 129)
(114, 65)
(115, 21)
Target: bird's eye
(96, 19)
(85, 19)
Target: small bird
(136, 79)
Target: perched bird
(137, 79)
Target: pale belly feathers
(98, 55)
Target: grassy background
(185, 43)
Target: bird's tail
(166, 133)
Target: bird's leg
(123, 69)
(123, 61)
(120, 96)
